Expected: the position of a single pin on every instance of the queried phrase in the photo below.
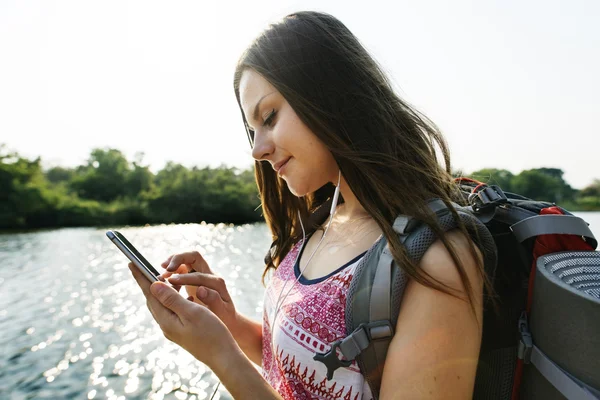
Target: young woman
(322, 118)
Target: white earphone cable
(280, 301)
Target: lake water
(74, 324)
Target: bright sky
(512, 84)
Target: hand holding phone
(134, 255)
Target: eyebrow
(255, 114)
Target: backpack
(543, 339)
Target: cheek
(313, 164)
(290, 133)
(302, 143)
(306, 176)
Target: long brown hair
(385, 149)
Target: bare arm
(248, 335)
(435, 350)
(242, 379)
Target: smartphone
(131, 252)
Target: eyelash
(268, 122)
(269, 119)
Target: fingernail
(175, 276)
(202, 292)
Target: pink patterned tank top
(310, 318)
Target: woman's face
(281, 138)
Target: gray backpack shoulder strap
(376, 291)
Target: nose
(263, 146)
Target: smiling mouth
(281, 168)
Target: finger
(168, 320)
(191, 291)
(199, 279)
(165, 263)
(171, 300)
(211, 298)
(195, 300)
(141, 280)
(151, 302)
(193, 259)
(183, 269)
(164, 278)
(176, 287)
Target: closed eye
(269, 119)
(268, 122)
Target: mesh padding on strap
(417, 243)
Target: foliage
(493, 176)
(539, 184)
(592, 190)
(110, 190)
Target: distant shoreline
(110, 190)
(107, 227)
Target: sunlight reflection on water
(85, 331)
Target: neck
(351, 209)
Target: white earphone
(280, 301)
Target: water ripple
(86, 332)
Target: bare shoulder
(438, 263)
(435, 350)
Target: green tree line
(111, 190)
(545, 184)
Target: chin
(301, 190)
(296, 192)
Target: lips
(277, 167)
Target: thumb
(211, 298)
(169, 298)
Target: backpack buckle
(378, 330)
(354, 344)
(525, 342)
(331, 360)
(487, 197)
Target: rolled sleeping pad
(565, 325)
